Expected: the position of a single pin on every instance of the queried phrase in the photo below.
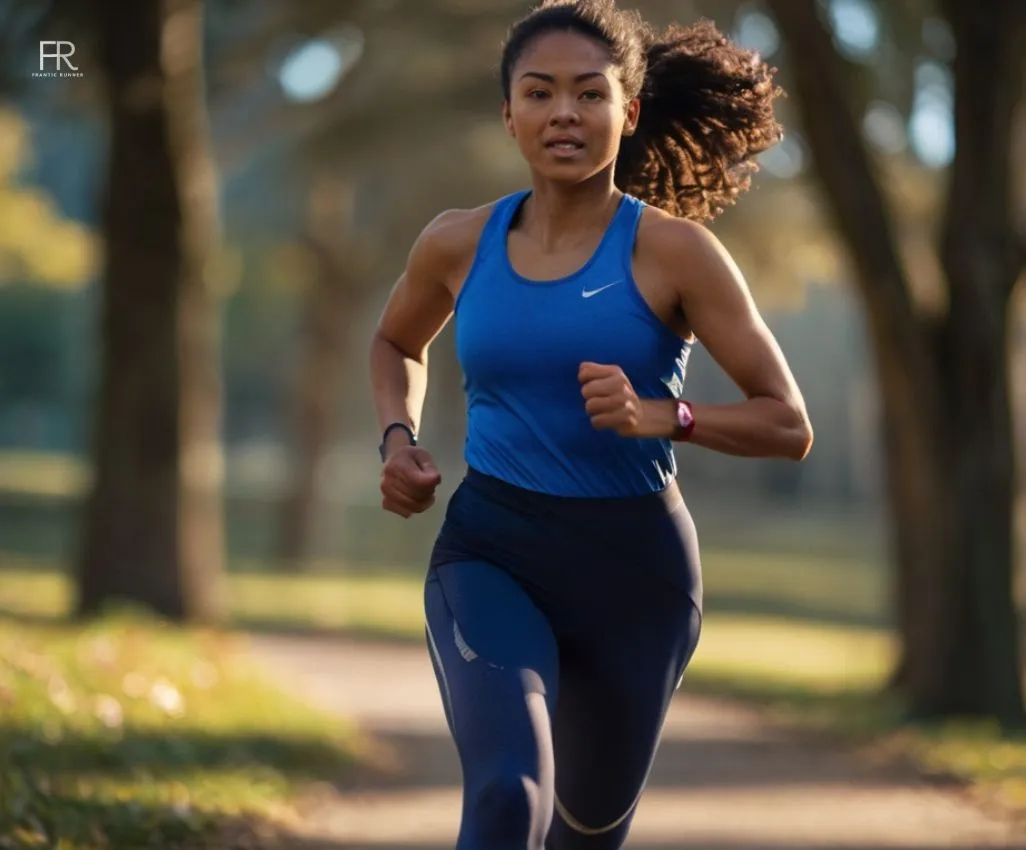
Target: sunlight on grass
(385, 604)
(975, 749)
(127, 733)
(789, 587)
(390, 605)
(43, 474)
(820, 657)
(800, 585)
(28, 589)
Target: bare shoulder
(445, 248)
(685, 251)
(423, 297)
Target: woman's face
(566, 108)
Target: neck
(559, 215)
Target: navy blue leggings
(559, 630)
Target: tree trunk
(153, 523)
(926, 587)
(986, 678)
(944, 384)
(980, 253)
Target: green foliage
(128, 734)
(37, 245)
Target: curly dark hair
(706, 104)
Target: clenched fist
(408, 481)
(610, 399)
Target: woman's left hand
(610, 399)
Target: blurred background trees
(224, 197)
(942, 358)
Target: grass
(792, 587)
(387, 605)
(42, 474)
(736, 646)
(130, 734)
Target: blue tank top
(520, 344)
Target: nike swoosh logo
(587, 293)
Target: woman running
(564, 596)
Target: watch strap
(393, 427)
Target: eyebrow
(580, 78)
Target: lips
(564, 143)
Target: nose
(564, 111)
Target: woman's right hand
(408, 481)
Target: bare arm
(772, 420)
(418, 309)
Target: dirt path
(724, 779)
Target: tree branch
(845, 171)
(988, 72)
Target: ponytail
(706, 112)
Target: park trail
(726, 777)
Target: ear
(630, 123)
(507, 118)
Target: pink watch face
(684, 415)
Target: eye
(537, 94)
(592, 94)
